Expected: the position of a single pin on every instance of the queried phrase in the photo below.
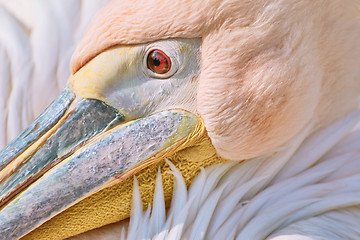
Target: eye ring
(158, 62)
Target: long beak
(75, 148)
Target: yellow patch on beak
(92, 80)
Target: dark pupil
(156, 62)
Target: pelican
(184, 120)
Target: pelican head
(152, 78)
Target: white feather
(157, 219)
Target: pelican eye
(158, 62)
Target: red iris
(158, 62)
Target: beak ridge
(107, 159)
(41, 125)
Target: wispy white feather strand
(205, 214)
(157, 218)
(228, 204)
(136, 211)
(180, 193)
(318, 144)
